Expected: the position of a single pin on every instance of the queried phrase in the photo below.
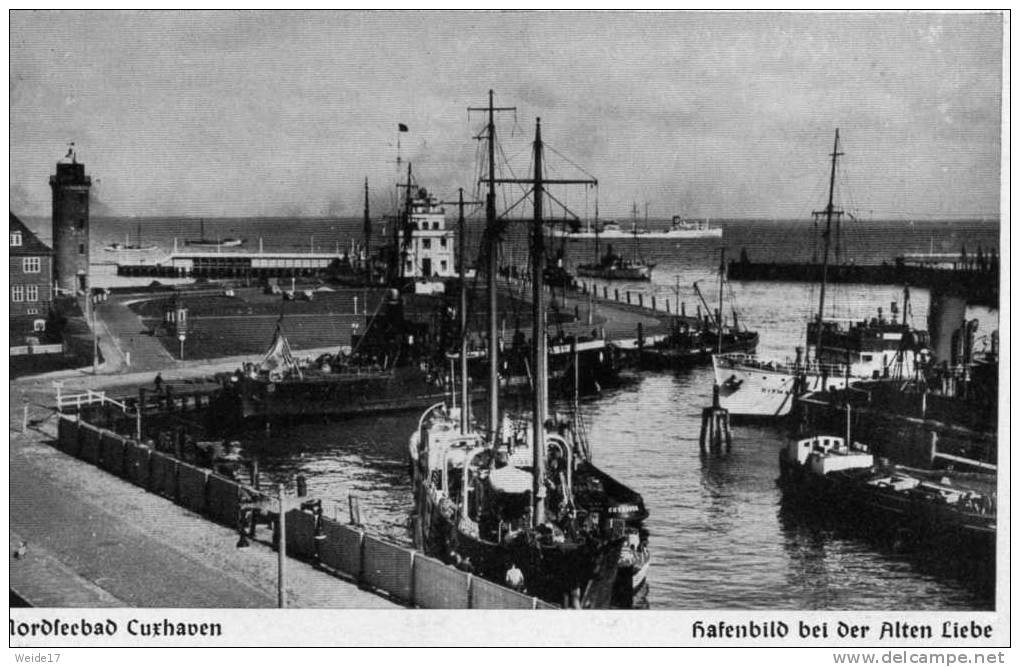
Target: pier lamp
(182, 337)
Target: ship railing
(737, 360)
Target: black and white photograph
(616, 327)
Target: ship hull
(763, 392)
(339, 395)
(882, 512)
(683, 355)
(615, 273)
(570, 576)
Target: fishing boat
(955, 511)
(202, 241)
(518, 500)
(838, 351)
(127, 246)
(688, 344)
(612, 266)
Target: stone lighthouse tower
(70, 188)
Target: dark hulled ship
(517, 500)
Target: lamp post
(181, 337)
(279, 504)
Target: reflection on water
(720, 533)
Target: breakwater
(978, 284)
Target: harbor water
(720, 536)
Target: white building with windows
(430, 253)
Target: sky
(700, 114)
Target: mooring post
(628, 297)
(653, 302)
(715, 427)
(683, 309)
(281, 549)
(354, 508)
(667, 306)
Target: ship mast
(540, 401)
(829, 212)
(367, 230)
(719, 315)
(401, 243)
(465, 404)
(492, 266)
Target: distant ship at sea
(202, 241)
(678, 230)
(127, 246)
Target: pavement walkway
(125, 341)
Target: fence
(403, 574)
(87, 398)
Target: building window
(30, 265)
(435, 225)
(31, 292)
(442, 266)
(38, 325)
(442, 242)
(17, 293)
(81, 248)
(31, 311)
(426, 243)
(15, 238)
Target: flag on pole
(401, 127)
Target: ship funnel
(946, 315)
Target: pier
(975, 277)
(230, 264)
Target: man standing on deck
(515, 578)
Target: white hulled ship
(838, 350)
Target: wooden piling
(715, 428)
